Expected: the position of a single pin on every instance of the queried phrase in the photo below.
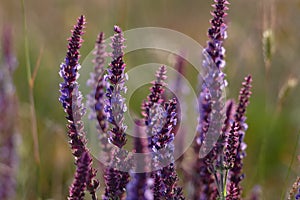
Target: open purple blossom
(71, 100)
(116, 106)
(8, 110)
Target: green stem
(31, 85)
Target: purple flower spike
(211, 103)
(139, 186)
(96, 99)
(232, 145)
(81, 177)
(116, 180)
(96, 82)
(116, 106)
(236, 175)
(217, 33)
(156, 94)
(70, 95)
(233, 191)
(71, 100)
(165, 179)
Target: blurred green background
(273, 120)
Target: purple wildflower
(71, 100)
(217, 33)
(96, 99)
(81, 177)
(96, 82)
(236, 175)
(116, 180)
(139, 186)
(232, 145)
(233, 191)
(205, 166)
(165, 179)
(8, 110)
(70, 95)
(215, 156)
(211, 96)
(156, 93)
(211, 101)
(116, 106)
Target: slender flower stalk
(232, 145)
(211, 100)
(97, 98)
(96, 82)
(139, 188)
(116, 106)
(154, 121)
(81, 177)
(70, 95)
(165, 179)
(236, 175)
(71, 100)
(116, 180)
(8, 110)
(156, 94)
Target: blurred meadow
(273, 115)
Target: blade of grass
(31, 92)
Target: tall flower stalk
(139, 187)
(116, 180)
(160, 120)
(210, 101)
(236, 175)
(71, 101)
(116, 106)
(96, 98)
